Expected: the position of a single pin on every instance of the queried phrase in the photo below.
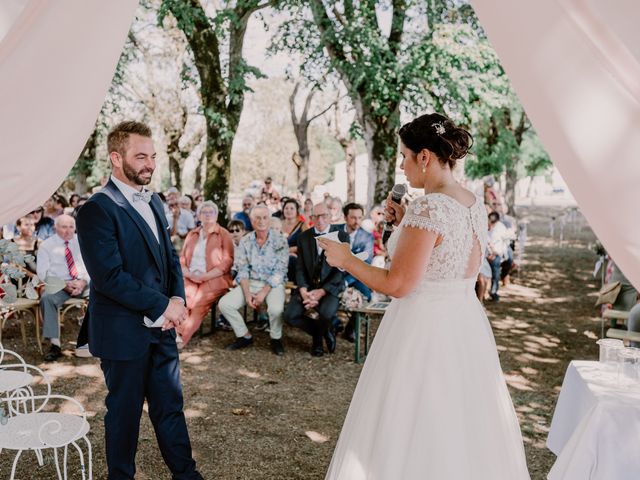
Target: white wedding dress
(431, 402)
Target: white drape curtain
(57, 58)
(575, 66)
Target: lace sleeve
(424, 214)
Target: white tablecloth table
(595, 430)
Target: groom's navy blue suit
(133, 275)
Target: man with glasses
(181, 222)
(261, 260)
(314, 304)
(243, 216)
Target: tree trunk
(175, 165)
(84, 165)
(381, 140)
(511, 178)
(80, 181)
(217, 173)
(304, 156)
(199, 167)
(350, 156)
(222, 96)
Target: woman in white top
(206, 259)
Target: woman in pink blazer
(206, 259)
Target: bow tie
(142, 196)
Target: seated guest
(243, 216)
(237, 231)
(261, 262)
(180, 221)
(275, 224)
(292, 227)
(307, 211)
(633, 323)
(496, 251)
(197, 201)
(314, 304)
(59, 256)
(379, 248)
(335, 210)
(270, 196)
(360, 240)
(44, 225)
(186, 204)
(171, 195)
(73, 200)
(27, 242)
(54, 206)
(206, 259)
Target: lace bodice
(459, 228)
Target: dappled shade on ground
(254, 415)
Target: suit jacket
(132, 274)
(313, 271)
(362, 243)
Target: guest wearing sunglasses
(206, 259)
(237, 231)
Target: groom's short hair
(119, 135)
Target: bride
(431, 402)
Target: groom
(136, 300)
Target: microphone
(397, 192)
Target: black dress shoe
(317, 351)
(276, 347)
(54, 353)
(349, 336)
(330, 340)
(241, 342)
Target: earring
(424, 169)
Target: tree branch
(397, 25)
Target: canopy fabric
(57, 59)
(575, 66)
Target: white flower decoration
(439, 128)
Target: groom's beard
(136, 176)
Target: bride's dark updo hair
(437, 134)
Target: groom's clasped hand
(175, 314)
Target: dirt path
(248, 411)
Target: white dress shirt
(198, 260)
(52, 262)
(144, 209)
(326, 230)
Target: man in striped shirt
(59, 256)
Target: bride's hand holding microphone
(393, 211)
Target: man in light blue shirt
(261, 260)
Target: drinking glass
(628, 366)
(609, 349)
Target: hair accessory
(439, 128)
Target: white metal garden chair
(32, 424)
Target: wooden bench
(623, 335)
(613, 316)
(363, 316)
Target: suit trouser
(49, 305)
(327, 308)
(233, 301)
(155, 377)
